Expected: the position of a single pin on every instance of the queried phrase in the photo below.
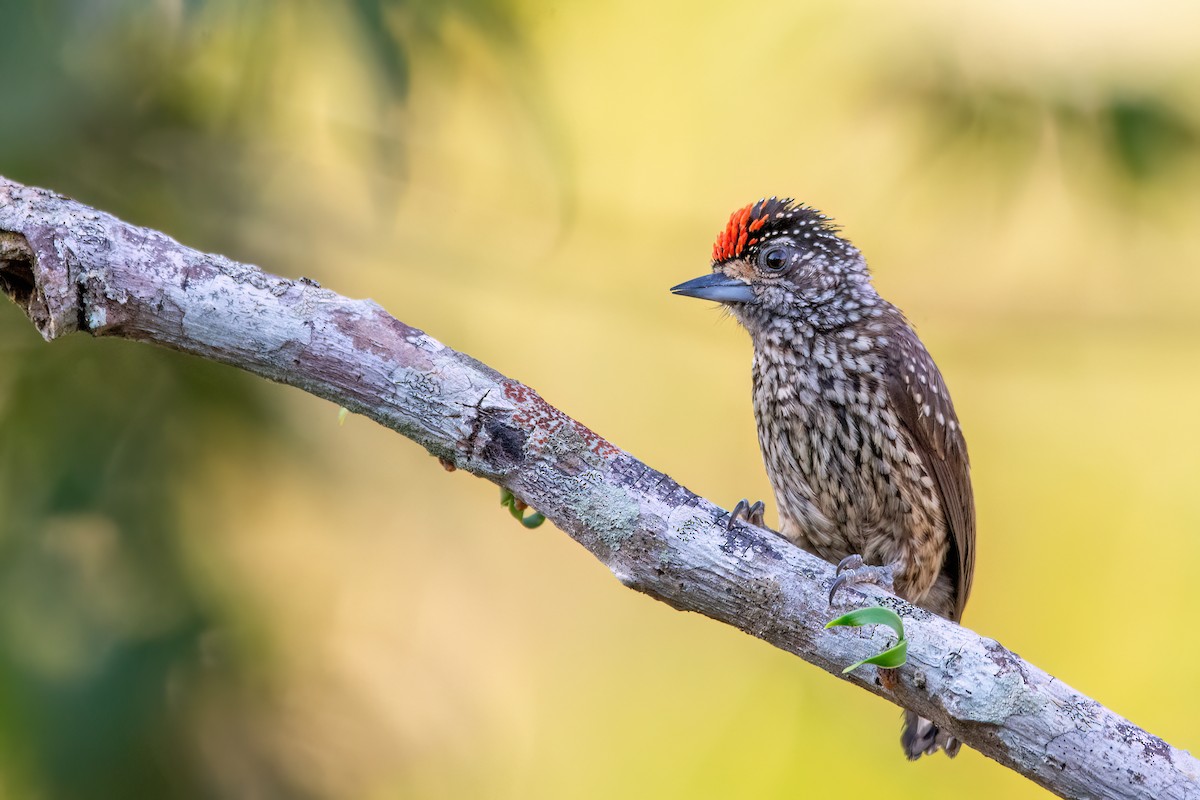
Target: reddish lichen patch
(1151, 745)
(381, 334)
(545, 421)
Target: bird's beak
(716, 286)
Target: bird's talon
(852, 571)
(738, 510)
(753, 514)
(838, 582)
(850, 562)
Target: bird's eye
(774, 259)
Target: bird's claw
(753, 514)
(853, 571)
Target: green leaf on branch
(876, 615)
(517, 508)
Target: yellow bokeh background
(416, 642)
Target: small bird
(861, 443)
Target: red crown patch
(767, 219)
(739, 232)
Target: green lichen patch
(611, 513)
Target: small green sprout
(343, 412)
(876, 615)
(517, 508)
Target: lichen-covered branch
(71, 268)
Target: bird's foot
(853, 571)
(753, 514)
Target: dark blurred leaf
(386, 48)
(1001, 127)
(1148, 136)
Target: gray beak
(716, 286)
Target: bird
(861, 443)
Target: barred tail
(922, 738)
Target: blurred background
(208, 588)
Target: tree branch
(71, 268)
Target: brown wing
(923, 405)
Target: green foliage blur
(208, 588)
(165, 114)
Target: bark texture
(72, 268)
